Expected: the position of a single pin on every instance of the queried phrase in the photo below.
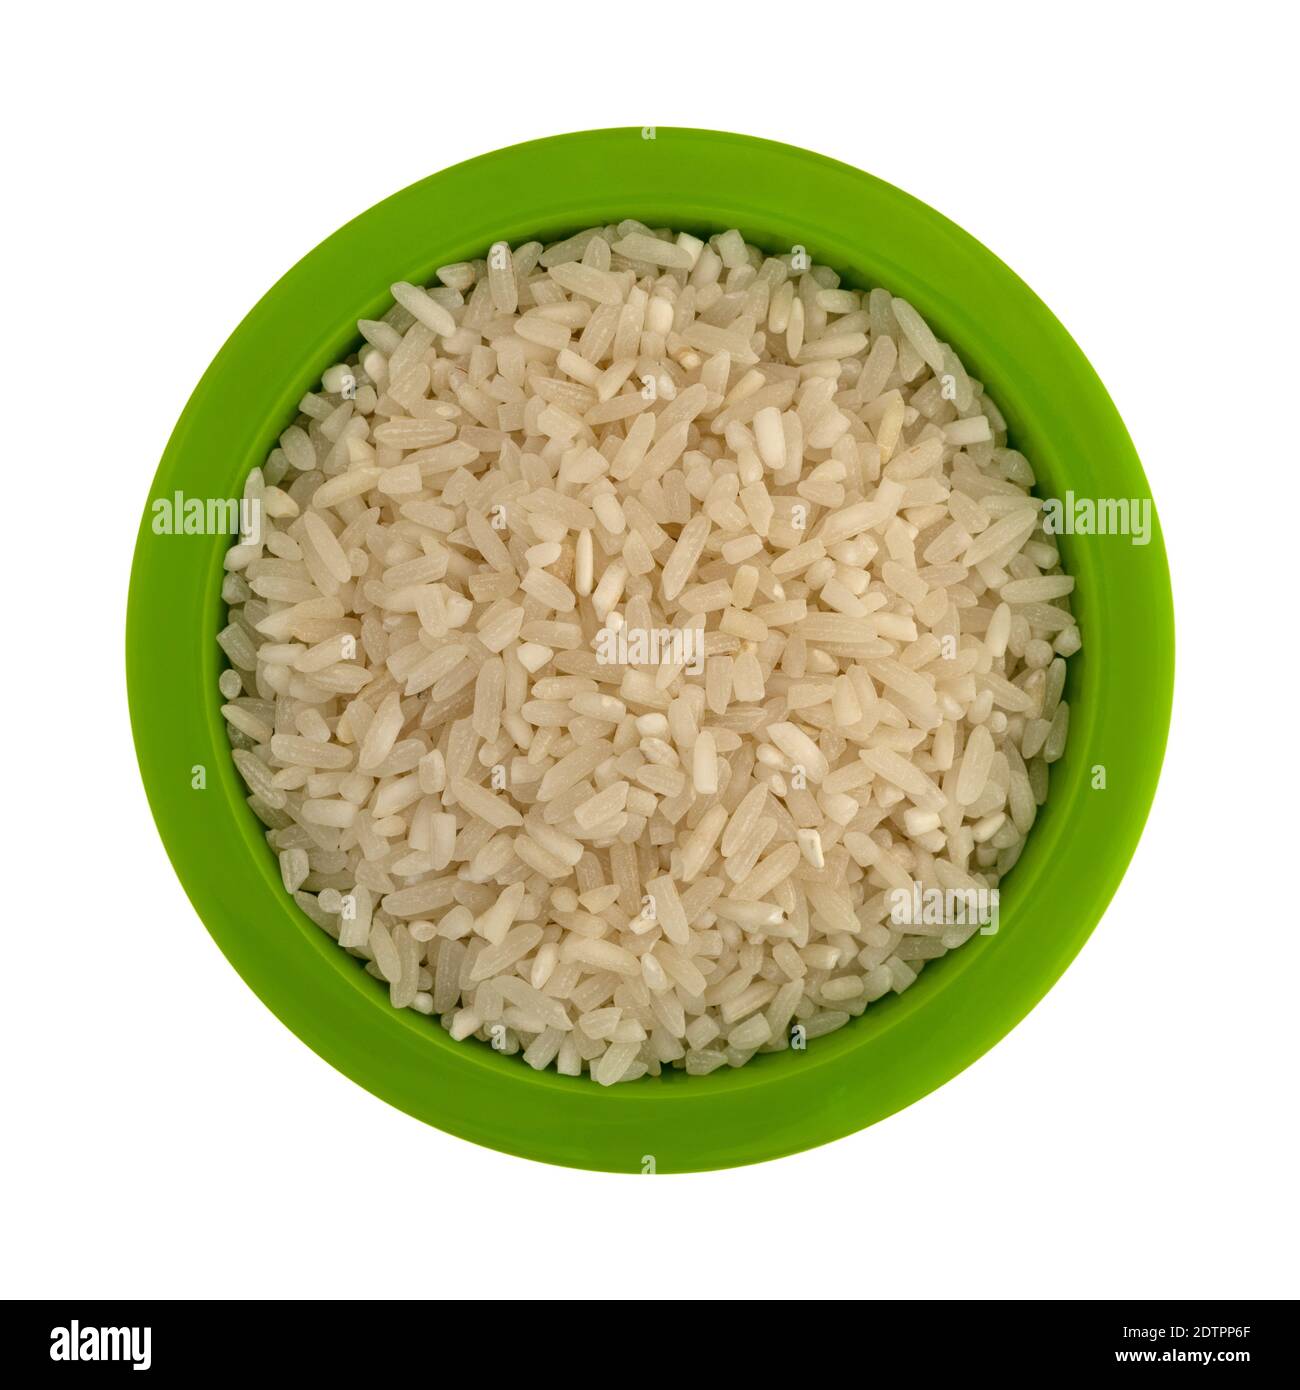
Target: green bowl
(1120, 686)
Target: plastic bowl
(1120, 686)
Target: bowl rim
(899, 1050)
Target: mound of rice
(633, 624)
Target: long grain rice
(538, 827)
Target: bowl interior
(1119, 686)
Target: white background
(165, 1135)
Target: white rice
(612, 859)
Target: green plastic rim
(1120, 686)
